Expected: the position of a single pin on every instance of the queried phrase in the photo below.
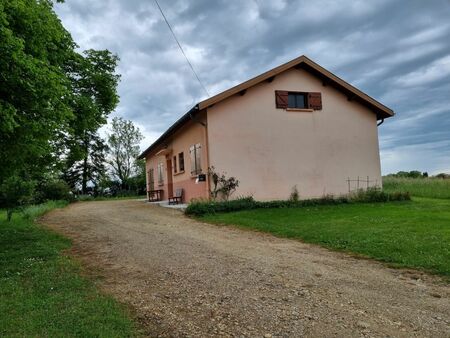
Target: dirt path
(188, 279)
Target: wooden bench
(155, 195)
(177, 198)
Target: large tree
(93, 98)
(123, 143)
(34, 51)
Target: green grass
(414, 234)
(42, 292)
(421, 187)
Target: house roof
(302, 62)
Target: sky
(396, 51)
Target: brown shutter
(315, 101)
(281, 99)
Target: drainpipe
(380, 123)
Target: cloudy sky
(396, 51)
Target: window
(174, 164)
(181, 161)
(297, 100)
(151, 180)
(195, 152)
(160, 173)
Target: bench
(155, 195)
(177, 198)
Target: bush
(372, 195)
(15, 193)
(54, 190)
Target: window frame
(181, 161)
(174, 164)
(296, 94)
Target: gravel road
(184, 278)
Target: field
(420, 187)
(413, 234)
(42, 292)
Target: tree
(85, 162)
(34, 50)
(93, 98)
(124, 148)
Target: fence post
(348, 181)
(367, 182)
(357, 186)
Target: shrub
(54, 190)
(295, 196)
(372, 195)
(16, 193)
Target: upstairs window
(195, 152)
(181, 161)
(297, 100)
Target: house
(295, 125)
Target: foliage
(123, 143)
(53, 189)
(93, 98)
(295, 196)
(43, 292)
(221, 185)
(410, 174)
(424, 187)
(199, 208)
(16, 192)
(413, 234)
(85, 162)
(34, 49)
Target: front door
(169, 178)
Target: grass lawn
(413, 234)
(42, 293)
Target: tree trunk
(85, 168)
(9, 213)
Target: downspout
(205, 135)
(380, 123)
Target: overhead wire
(181, 49)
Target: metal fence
(361, 183)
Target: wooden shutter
(281, 99)
(315, 101)
(192, 157)
(198, 167)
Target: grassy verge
(420, 187)
(42, 293)
(413, 234)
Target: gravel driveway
(183, 278)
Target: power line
(181, 48)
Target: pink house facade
(297, 125)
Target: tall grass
(420, 187)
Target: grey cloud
(396, 51)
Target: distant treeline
(418, 174)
